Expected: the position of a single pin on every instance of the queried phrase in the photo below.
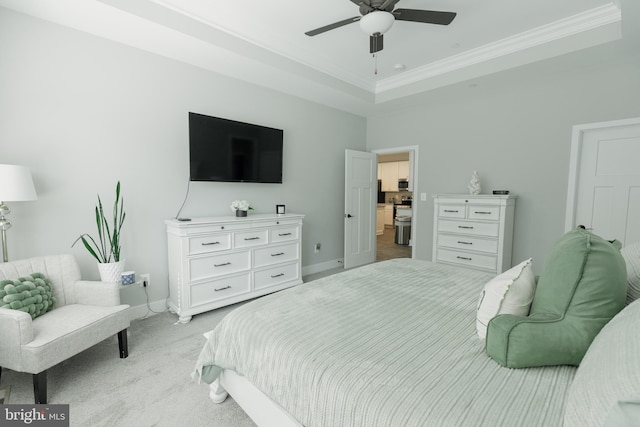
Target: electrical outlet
(145, 280)
(316, 249)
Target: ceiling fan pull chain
(375, 64)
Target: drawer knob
(464, 258)
(450, 211)
(468, 227)
(465, 243)
(222, 289)
(278, 254)
(222, 265)
(483, 212)
(273, 276)
(252, 238)
(210, 243)
(284, 234)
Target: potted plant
(106, 249)
(240, 207)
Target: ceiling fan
(378, 16)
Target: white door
(604, 186)
(360, 199)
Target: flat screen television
(230, 151)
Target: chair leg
(123, 344)
(40, 387)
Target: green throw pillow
(582, 286)
(31, 294)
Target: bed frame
(260, 408)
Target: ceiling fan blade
(425, 16)
(375, 43)
(332, 26)
(388, 5)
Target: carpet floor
(152, 387)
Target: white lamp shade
(16, 184)
(376, 22)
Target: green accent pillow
(582, 286)
(31, 294)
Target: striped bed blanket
(388, 344)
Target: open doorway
(395, 212)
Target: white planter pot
(111, 271)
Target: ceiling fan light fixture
(376, 22)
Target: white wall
(84, 112)
(514, 128)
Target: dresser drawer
(487, 262)
(469, 227)
(211, 228)
(250, 238)
(452, 211)
(468, 243)
(209, 243)
(217, 265)
(283, 234)
(204, 293)
(484, 212)
(275, 276)
(277, 222)
(275, 254)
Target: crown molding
(576, 24)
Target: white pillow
(609, 373)
(509, 293)
(631, 255)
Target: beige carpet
(152, 387)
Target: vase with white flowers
(240, 207)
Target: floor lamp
(16, 185)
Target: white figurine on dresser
(474, 231)
(214, 262)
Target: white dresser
(473, 231)
(214, 262)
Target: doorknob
(349, 216)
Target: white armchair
(85, 313)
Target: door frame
(577, 140)
(413, 173)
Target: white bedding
(389, 344)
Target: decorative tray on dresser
(474, 231)
(214, 262)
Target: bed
(388, 344)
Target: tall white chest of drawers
(214, 262)
(474, 231)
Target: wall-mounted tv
(230, 151)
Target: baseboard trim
(318, 268)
